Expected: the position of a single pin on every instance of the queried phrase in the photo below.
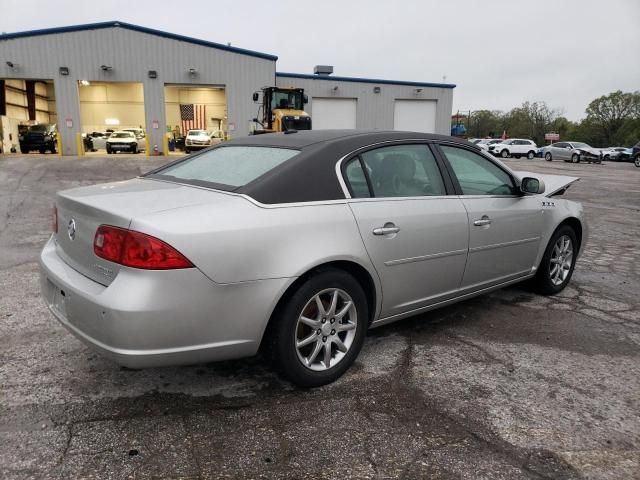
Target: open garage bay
(508, 385)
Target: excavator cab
(281, 109)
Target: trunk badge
(71, 229)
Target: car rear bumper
(153, 318)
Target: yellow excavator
(281, 110)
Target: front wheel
(547, 156)
(318, 333)
(558, 262)
(531, 155)
(504, 153)
(575, 158)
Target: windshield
(39, 128)
(286, 99)
(230, 166)
(580, 145)
(122, 135)
(196, 132)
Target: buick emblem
(71, 229)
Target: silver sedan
(297, 244)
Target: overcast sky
(499, 53)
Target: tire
(504, 153)
(548, 157)
(108, 148)
(548, 281)
(637, 161)
(24, 151)
(135, 149)
(287, 329)
(186, 150)
(531, 155)
(575, 158)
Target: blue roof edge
(137, 28)
(364, 80)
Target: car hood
(553, 183)
(121, 140)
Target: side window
(403, 171)
(357, 180)
(478, 175)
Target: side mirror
(305, 99)
(255, 120)
(531, 185)
(256, 96)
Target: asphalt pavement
(508, 385)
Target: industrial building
(114, 75)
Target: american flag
(193, 116)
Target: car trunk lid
(82, 210)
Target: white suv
(514, 147)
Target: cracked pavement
(508, 385)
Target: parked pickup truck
(39, 137)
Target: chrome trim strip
(505, 244)
(421, 258)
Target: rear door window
(402, 171)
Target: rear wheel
(547, 156)
(575, 158)
(319, 331)
(504, 153)
(558, 262)
(637, 161)
(531, 155)
(186, 150)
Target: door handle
(482, 222)
(388, 229)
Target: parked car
(140, 136)
(122, 141)
(40, 137)
(99, 140)
(514, 147)
(616, 154)
(196, 140)
(635, 154)
(216, 136)
(574, 152)
(485, 143)
(231, 249)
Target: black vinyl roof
(311, 175)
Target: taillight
(135, 249)
(54, 219)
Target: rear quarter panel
(238, 240)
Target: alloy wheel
(561, 260)
(326, 329)
(547, 157)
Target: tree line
(611, 120)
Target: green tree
(614, 117)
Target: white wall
(121, 101)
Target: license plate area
(57, 298)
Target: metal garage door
(415, 115)
(327, 113)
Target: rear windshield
(122, 135)
(232, 166)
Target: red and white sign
(554, 137)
